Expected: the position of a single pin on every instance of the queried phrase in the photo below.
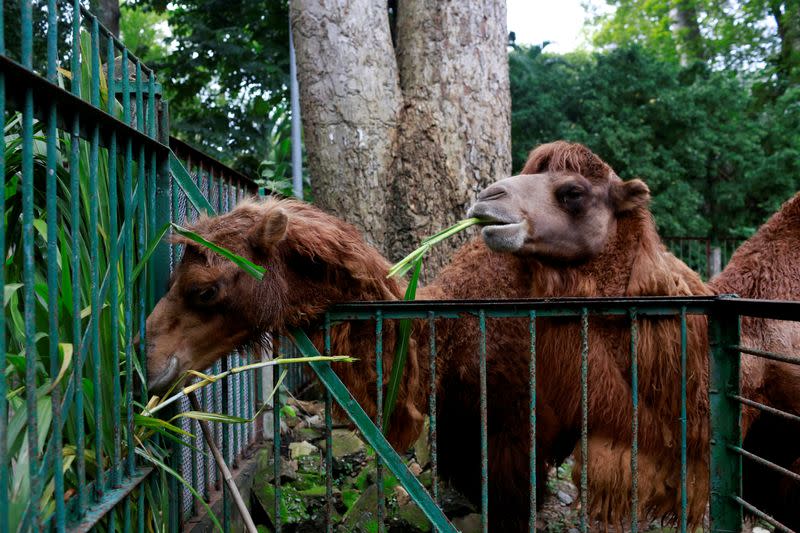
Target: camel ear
(629, 195)
(269, 230)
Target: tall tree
(739, 35)
(108, 12)
(401, 133)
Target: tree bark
(686, 29)
(108, 15)
(401, 139)
(787, 18)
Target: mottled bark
(787, 18)
(433, 114)
(686, 28)
(350, 97)
(108, 14)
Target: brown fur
(766, 267)
(319, 261)
(635, 263)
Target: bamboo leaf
(210, 417)
(152, 422)
(151, 248)
(9, 290)
(248, 266)
(65, 349)
(160, 464)
(401, 352)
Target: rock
(362, 516)
(758, 529)
(310, 408)
(292, 504)
(410, 518)
(564, 498)
(468, 524)
(308, 434)
(310, 463)
(422, 450)
(301, 449)
(573, 530)
(401, 496)
(345, 443)
(453, 503)
(315, 421)
(415, 469)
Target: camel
(585, 232)
(314, 260)
(766, 267)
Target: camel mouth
(160, 383)
(490, 217)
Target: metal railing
(727, 501)
(90, 177)
(704, 255)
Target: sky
(558, 21)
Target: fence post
(726, 465)
(715, 262)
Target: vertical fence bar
(128, 264)
(75, 217)
(484, 426)
(94, 253)
(726, 465)
(634, 423)
(683, 517)
(432, 436)
(29, 296)
(379, 412)
(113, 261)
(3, 401)
(328, 438)
(584, 420)
(52, 268)
(276, 433)
(532, 387)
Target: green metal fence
(91, 176)
(726, 453)
(697, 252)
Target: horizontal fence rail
(726, 451)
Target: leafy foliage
(717, 162)
(226, 72)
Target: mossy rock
(345, 443)
(409, 517)
(293, 506)
(308, 434)
(362, 516)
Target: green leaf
(401, 353)
(210, 417)
(245, 264)
(9, 290)
(153, 422)
(151, 248)
(65, 350)
(160, 464)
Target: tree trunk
(108, 15)
(686, 29)
(787, 18)
(400, 139)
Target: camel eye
(570, 194)
(206, 294)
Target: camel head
(563, 207)
(213, 307)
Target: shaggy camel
(591, 234)
(766, 267)
(314, 260)
(586, 233)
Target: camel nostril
(494, 192)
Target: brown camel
(766, 267)
(314, 260)
(586, 233)
(591, 234)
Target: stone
(415, 468)
(422, 450)
(410, 518)
(308, 434)
(564, 498)
(758, 529)
(362, 516)
(453, 503)
(470, 523)
(401, 496)
(315, 421)
(345, 443)
(301, 449)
